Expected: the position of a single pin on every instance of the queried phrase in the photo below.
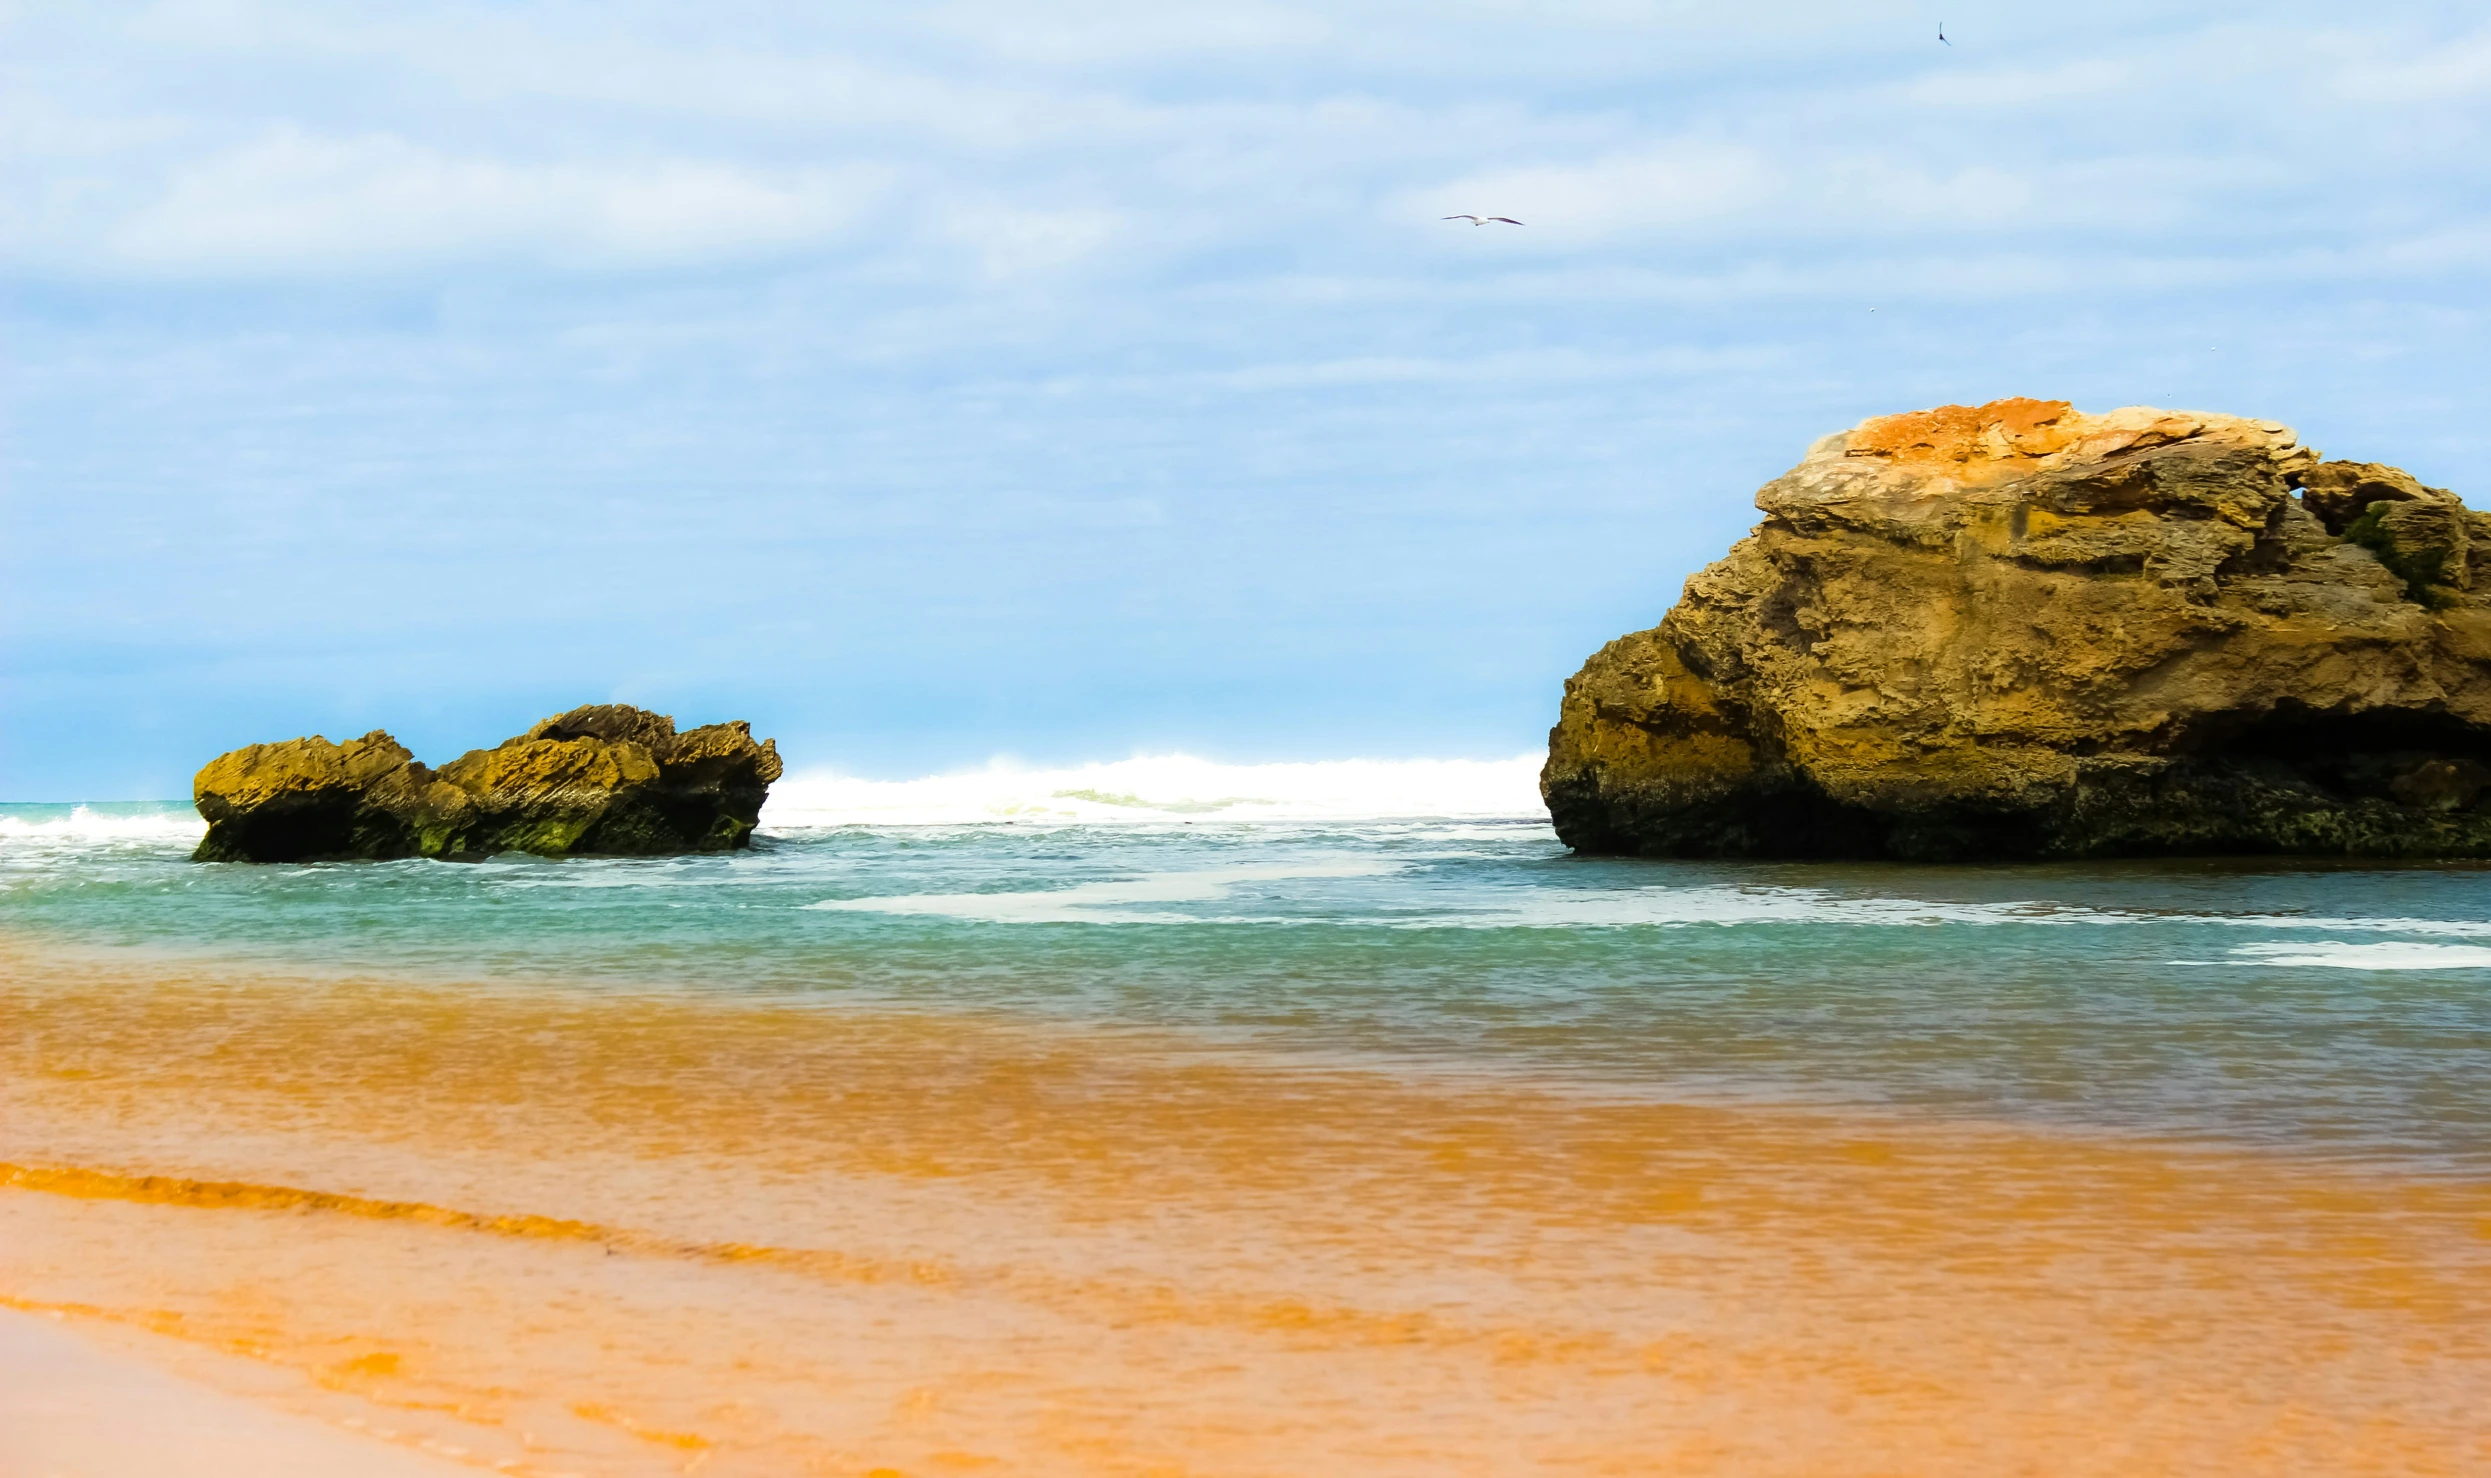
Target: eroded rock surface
(604, 779)
(2015, 630)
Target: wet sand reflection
(607, 1233)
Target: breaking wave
(1149, 789)
(145, 821)
(1109, 902)
(1163, 789)
(2395, 955)
(1452, 904)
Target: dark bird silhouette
(1941, 33)
(1484, 220)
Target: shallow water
(1180, 1143)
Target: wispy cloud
(290, 201)
(974, 328)
(245, 139)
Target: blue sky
(934, 382)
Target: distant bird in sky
(1941, 33)
(1483, 220)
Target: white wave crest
(1440, 905)
(1105, 903)
(1723, 904)
(1732, 905)
(2335, 955)
(2455, 928)
(1163, 789)
(88, 824)
(1486, 908)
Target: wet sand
(597, 1232)
(73, 1408)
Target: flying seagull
(1483, 220)
(1941, 33)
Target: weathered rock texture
(604, 779)
(2015, 630)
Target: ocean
(1169, 1117)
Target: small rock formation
(2015, 630)
(605, 779)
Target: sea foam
(1111, 902)
(140, 822)
(2330, 954)
(1165, 788)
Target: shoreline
(72, 1406)
(563, 1232)
(937, 1197)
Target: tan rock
(2016, 629)
(606, 779)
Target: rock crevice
(2016, 630)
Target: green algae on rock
(604, 779)
(2016, 630)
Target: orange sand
(73, 1408)
(597, 1233)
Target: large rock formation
(2015, 630)
(603, 779)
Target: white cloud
(251, 138)
(2459, 72)
(930, 324)
(291, 201)
(1715, 189)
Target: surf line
(234, 1195)
(1284, 1316)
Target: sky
(940, 382)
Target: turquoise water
(2338, 1011)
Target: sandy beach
(578, 1232)
(1257, 739)
(74, 1407)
